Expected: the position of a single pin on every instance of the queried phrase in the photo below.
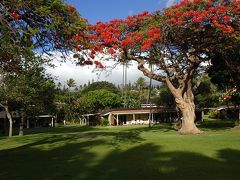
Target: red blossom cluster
(71, 8)
(98, 64)
(153, 34)
(15, 15)
(142, 31)
(122, 34)
(89, 62)
(135, 20)
(116, 35)
(205, 12)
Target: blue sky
(104, 10)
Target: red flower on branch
(111, 51)
(15, 15)
(147, 43)
(88, 62)
(197, 19)
(98, 64)
(126, 42)
(92, 54)
(71, 8)
(137, 36)
(77, 37)
(226, 19)
(78, 47)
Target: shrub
(214, 114)
(104, 122)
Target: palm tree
(70, 83)
(124, 85)
(149, 96)
(140, 83)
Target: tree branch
(146, 71)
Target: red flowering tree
(178, 42)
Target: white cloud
(83, 74)
(170, 2)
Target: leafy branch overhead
(44, 26)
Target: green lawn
(113, 153)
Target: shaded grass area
(134, 152)
(217, 124)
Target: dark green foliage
(165, 97)
(95, 101)
(225, 70)
(132, 99)
(31, 90)
(225, 74)
(101, 85)
(207, 94)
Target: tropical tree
(97, 100)
(207, 94)
(140, 83)
(165, 98)
(70, 83)
(132, 99)
(178, 41)
(101, 85)
(69, 108)
(225, 74)
(28, 25)
(30, 93)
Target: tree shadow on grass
(58, 130)
(217, 124)
(149, 162)
(96, 159)
(127, 135)
(34, 162)
(166, 127)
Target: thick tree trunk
(180, 86)
(184, 99)
(188, 119)
(9, 116)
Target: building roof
(144, 110)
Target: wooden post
(52, 123)
(202, 115)
(117, 119)
(27, 123)
(110, 119)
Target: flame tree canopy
(178, 41)
(28, 25)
